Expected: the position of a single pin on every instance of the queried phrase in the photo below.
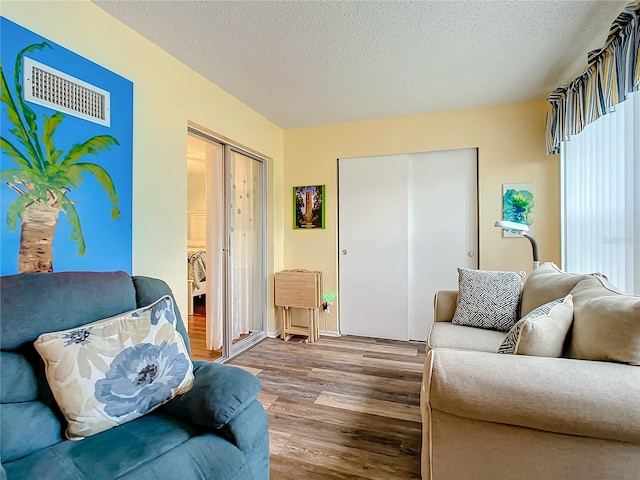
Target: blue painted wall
(108, 240)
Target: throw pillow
(115, 370)
(541, 332)
(606, 323)
(488, 299)
(544, 284)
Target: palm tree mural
(44, 176)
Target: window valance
(613, 72)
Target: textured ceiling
(307, 63)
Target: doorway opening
(226, 238)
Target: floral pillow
(115, 370)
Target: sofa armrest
(219, 393)
(576, 397)
(249, 431)
(444, 305)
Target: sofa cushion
(541, 332)
(153, 446)
(82, 293)
(606, 323)
(25, 428)
(488, 299)
(18, 381)
(545, 284)
(562, 395)
(113, 371)
(448, 335)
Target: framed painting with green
(517, 205)
(308, 207)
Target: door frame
(229, 349)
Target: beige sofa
(492, 416)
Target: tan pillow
(606, 323)
(544, 284)
(542, 332)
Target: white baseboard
(330, 333)
(326, 333)
(275, 334)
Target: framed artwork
(308, 207)
(66, 127)
(517, 205)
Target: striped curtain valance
(613, 72)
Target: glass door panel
(247, 279)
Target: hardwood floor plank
(309, 388)
(254, 371)
(383, 383)
(393, 357)
(277, 440)
(368, 405)
(367, 347)
(266, 400)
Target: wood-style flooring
(198, 340)
(341, 408)
(197, 333)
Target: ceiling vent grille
(54, 89)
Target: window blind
(601, 197)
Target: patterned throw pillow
(115, 370)
(541, 332)
(488, 299)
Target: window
(601, 197)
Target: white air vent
(54, 89)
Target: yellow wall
(167, 95)
(511, 149)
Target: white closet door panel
(373, 206)
(443, 228)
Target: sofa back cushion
(32, 304)
(606, 323)
(545, 284)
(37, 303)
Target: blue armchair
(217, 430)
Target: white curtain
(601, 197)
(244, 241)
(215, 245)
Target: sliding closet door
(246, 263)
(443, 228)
(373, 242)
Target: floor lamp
(521, 229)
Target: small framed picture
(308, 207)
(517, 205)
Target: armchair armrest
(444, 305)
(219, 393)
(562, 395)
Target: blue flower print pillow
(115, 370)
